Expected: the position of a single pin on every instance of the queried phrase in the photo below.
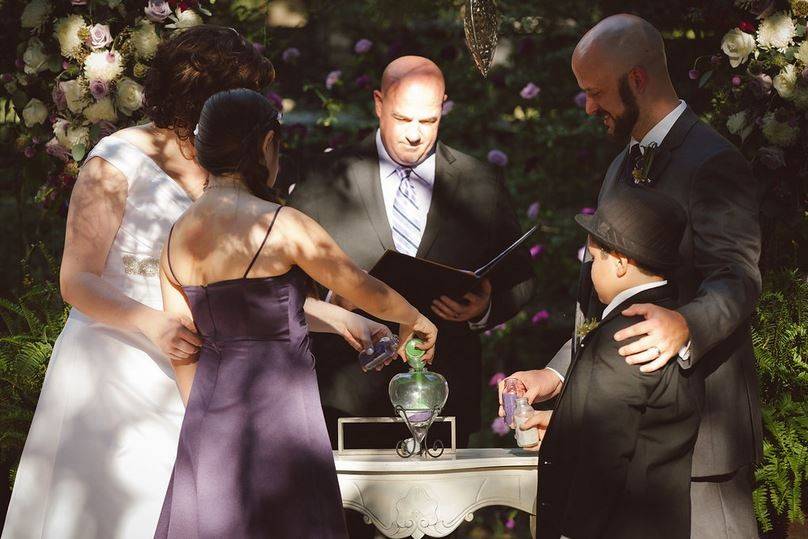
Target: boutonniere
(643, 166)
(586, 326)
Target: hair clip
(196, 130)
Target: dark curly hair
(232, 127)
(193, 65)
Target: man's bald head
(410, 70)
(622, 42)
(409, 108)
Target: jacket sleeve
(724, 216)
(615, 400)
(505, 304)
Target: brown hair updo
(193, 65)
(232, 127)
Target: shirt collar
(423, 171)
(629, 292)
(658, 133)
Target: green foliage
(30, 325)
(780, 337)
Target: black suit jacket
(470, 220)
(615, 460)
(718, 282)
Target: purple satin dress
(254, 458)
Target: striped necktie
(406, 216)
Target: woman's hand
(424, 329)
(173, 334)
(360, 332)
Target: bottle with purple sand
(418, 395)
(512, 390)
(382, 350)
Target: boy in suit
(615, 458)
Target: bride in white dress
(100, 451)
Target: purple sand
(509, 404)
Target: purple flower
(499, 427)
(290, 55)
(58, 96)
(581, 253)
(99, 36)
(496, 379)
(332, 78)
(498, 158)
(533, 211)
(530, 91)
(19, 64)
(580, 100)
(588, 211)
(79, 2)
(540, 317)
(362, 46)
(500, 327)
(510, 523)
(362, 81)
(447, 107)
(99, 89)
(29, 152)
(53, 148)
(693, 74)
(65, 64)
(260, 48)
(536, 251)
(275, 98)
(8, 77)
(716, 59)
(157, 10)
(106, 128)
(736, 80)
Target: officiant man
(621, 65)
(402, 189)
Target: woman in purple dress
(254, 459)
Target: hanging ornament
(481, 24)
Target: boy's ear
(622, 264)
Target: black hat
(642, 224)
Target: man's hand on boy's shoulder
(664, 333)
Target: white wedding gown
(101, 448)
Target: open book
(420, 281)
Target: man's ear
(638, 79)
(377, 103)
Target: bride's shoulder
(143, 136)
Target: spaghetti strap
(168, 256)
(271, 224)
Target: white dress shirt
(658, 133)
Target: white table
(415, 497)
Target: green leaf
(704, 78)
(78, 152)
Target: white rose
(776, 31)
(66, 31)
(145, 40)
(777, 132)
(75, 95)
(737, 45)
(129, 96)
(35, 13)
(802, 52)
(103, 65)
(736, 122)
(786, 81)
(60, 131)
(35, 112)
(77, 135)
(34, 57)
(103, 109)
(100, 36)
(185, 19)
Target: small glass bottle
(381, 351)
(512, 389)
(523, 412)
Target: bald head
(623, 42)
(411, 70)
(409, 108)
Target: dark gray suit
(470, 220)
(719, 284)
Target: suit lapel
(673, 140)
(364, 173)
(440, 208)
